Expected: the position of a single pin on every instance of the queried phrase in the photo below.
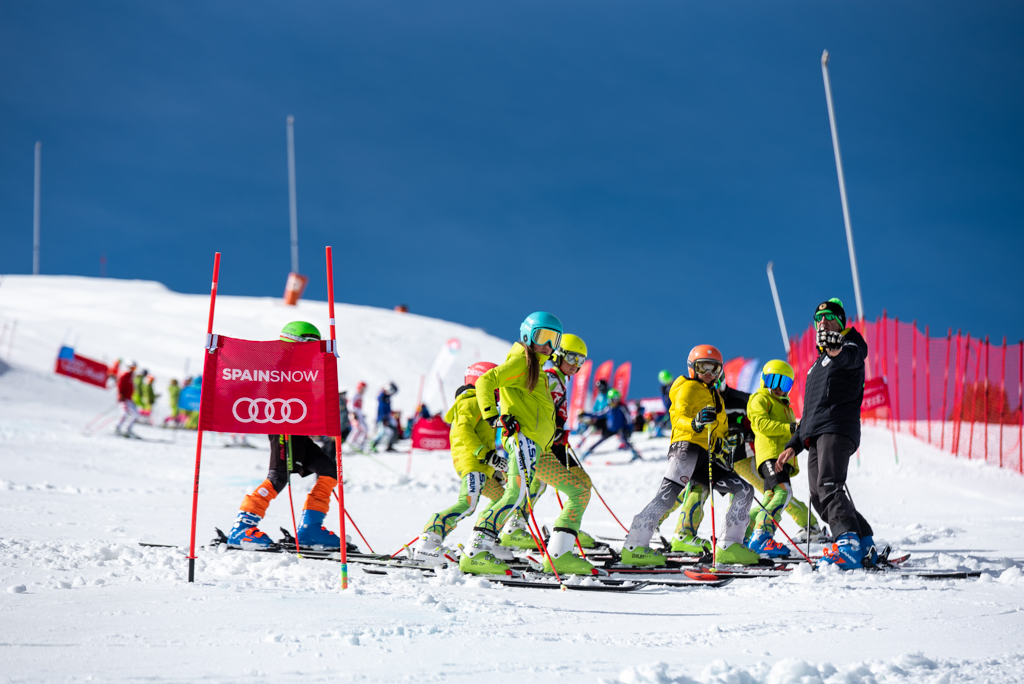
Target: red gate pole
(199, 432)
(913, 379)
(974, 397)
(1002, 401)
(885, 365)
(928, 381)
(1020, 410)
(988, 371)
(958, 386)
(945, 390)
(896, 369)
(337, 441)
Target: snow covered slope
(143, 321)
(80, 599)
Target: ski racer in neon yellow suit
(527, 426)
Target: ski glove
(792, 428)
(829, 339)
(496, 461)
(706, 416)
(733, 441)
(507, 424)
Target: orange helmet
(707, 354)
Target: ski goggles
(575, 358)
(819, 317)
(706, 366)
(777, 381)
(301, 338)
(542, 336)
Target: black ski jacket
(833, 392)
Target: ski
(521, 583)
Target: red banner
(578, 398)
(80, 368)
(876, 396)
(430, 434)
(621, 382)
(270, 388)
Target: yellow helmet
(572, 349)
(777, 374)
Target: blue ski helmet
(540, 320)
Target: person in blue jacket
(387, 430)
(614, 420)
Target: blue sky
(630, 167)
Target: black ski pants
(828, 460)
(307, 458)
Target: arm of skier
(757, 411)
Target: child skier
(527, 425)
(699, 430)
(613, 420)
(306, 458)
(129, 414)
(359, 429)
(387, 426)
(774, 423)
(481, 469)
(561, 470)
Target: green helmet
(300, 331)
(665, 377)
(614, 395)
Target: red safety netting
(957, 392)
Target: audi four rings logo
(269, 410)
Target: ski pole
(102, 413)
(594, 487)
(561, 507)
(349, 516)
(405, 546)
(524, 481)
(778, 525)
(291, 504)
(711, 495)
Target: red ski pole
(337, 440)
(594, 487)
(349, 516)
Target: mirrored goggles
(819, 317)
(777, 381)
(542, 336)
(704, 367)
(575, 358)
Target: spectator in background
(129, 413)
(386, 426)
(173, 390)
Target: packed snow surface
(80, 599)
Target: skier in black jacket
(830, 430)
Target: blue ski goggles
(777, 381)
(542, 336)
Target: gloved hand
(499, 477)
(558, 436)
(829, 339)
(496, 461)
(733, 441)
(792, 428)
(507, 424)
(706, 416)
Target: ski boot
(763, 544)
(816, 535)
(641, 556)
(690, 544)
(428, 550)
(560, 552)
(516, 535)
(504, 553)
(313, 534)
(846, 553)
(586, 541)
(736, 554)
(871, 554)
(478, 559)
(246, 535)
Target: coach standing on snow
(830, 431)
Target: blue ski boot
(763, 544)
(847, 552)
(870, 552)
(246, 535)
(313, 534)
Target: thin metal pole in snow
(37, 196)
(337, 442)
(778, 307)
(293, 216)
(842, 185)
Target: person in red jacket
(129, 414)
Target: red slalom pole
(199, 434)
(778, 526)
(405, 546)
(349, 516)
(337, 440)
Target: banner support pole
(199, 432)
(337, 441)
